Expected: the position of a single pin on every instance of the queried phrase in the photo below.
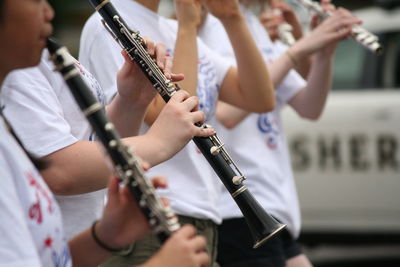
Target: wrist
(157, 150)
(232, 19)
(295, 56)
(297, 51)
(101, 239)
(324, 56)
(129, 104)
(186, 28)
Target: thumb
(113, 189)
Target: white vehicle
(347, 164)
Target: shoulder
(91, 31)
(32, 81)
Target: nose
(49, 12)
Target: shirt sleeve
(221, 64)
(100, 54)
(33, 108)
(17, 248)
(289, 87)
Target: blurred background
(347, 165)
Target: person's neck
(150, 4)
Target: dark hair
(1, 9)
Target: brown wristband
(100, 243)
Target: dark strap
(40, 164)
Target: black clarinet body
(261, 224)
(127, 166)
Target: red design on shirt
(78, 65)
(35, 211)
(198, 150)
(48, 242)
(39, 188)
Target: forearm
(303, 67)
(127, 118)
(82, 167)
(184, 61)
(230, 116)
(149, 148)
(254, 80)
(310, 101)
(186, 56)
(294, 58)
(85, 252)
(279, 68)
(154, 109)
(77, 169)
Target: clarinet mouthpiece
(52, 45)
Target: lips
(47, 32)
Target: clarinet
(285, 34)
(358, 33)
(285, 31)
(162, 220)
(262, 225)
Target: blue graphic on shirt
(267, 124)
(267, 50)
(207, 86)
(95, 87)
(268, 54)
(62, 258)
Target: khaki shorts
(140, 251)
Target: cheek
(20, 37)
(25, 50)
(30, 42)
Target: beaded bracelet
(100, 243)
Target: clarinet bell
(262, 226)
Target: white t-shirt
(41, 96)
(31, 229)
(193, 186)
(258, 144)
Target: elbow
(228, 124)
(265, 106)
(271, 104)
(313, 116)
(227, 121)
